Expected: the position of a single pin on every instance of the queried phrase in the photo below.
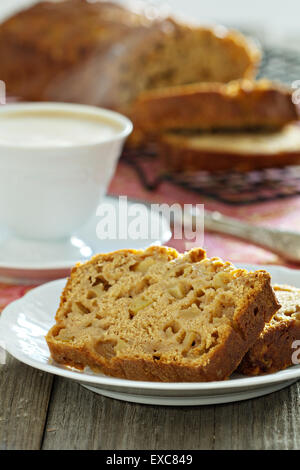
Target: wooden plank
(24, 398)
(79, 419)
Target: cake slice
(159, 316)
(239, 104)
(241, 151)
(274, 348)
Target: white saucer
(30, 260)
(25, 322)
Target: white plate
(24, 324)
(29, 260)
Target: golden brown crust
(178, 154)
(140, 369)
(273, 350)
(220, 361)
(241, 104)
(103, 54)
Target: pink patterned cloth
(283, 214)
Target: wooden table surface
(40, 411)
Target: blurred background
(273, 22)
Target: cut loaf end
(159, 316)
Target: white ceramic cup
(48, 192)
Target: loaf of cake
(241, 151)
(240, 104)
(273, 351)
(159, 316)
(101, 53)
